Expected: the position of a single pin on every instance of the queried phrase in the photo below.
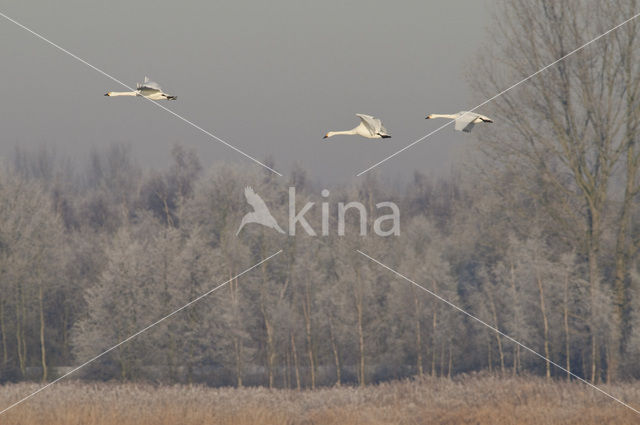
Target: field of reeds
(464, 400)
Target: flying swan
(260, 213)
(148, 89)
(369, 127)
(464, 120)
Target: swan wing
(374, 125)
(149, 85)
(484, 118)
(465, 123)
(383, 131)
(255, 200)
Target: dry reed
(464, 400)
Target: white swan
(464, 120)
(369, 127)
(148, 89)
(260, 213)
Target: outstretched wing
(485, 118)
(374, 125)
(149, 85)
(255, 200)
(383, 131)
(466, 122)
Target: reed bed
(474, 400)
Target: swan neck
(345, 132)
(450, 116)
(122, 93)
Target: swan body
(369, 127)
(148, 89)
(464, 120)
(260, 214)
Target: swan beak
(428, 117)
(325, 136)
(107, 94)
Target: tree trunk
(359, 307)
(66, 348)
(418, 334)
(270, 348)
(593, 327)
(489, 356)
(566, 325)
(442, 357)
(516, 353)
(434, 326)
(123, 367)
(361, 345)
(23, 337)
(306, 309)
(450, 362)
(20, 346)
(336, 356)
(43, 353)
(495, 323)
(238, 354)
(237, 343)
(545, 323)
(3, 331)
(271, 354)
(287, 375)
(594, 354)
(295, 361)
(594, 283)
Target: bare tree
(572, 129)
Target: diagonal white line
(498, 331)
(197, 127)
(137, 333)
(501, 93)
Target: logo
(262, 215)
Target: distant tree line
(91, 255)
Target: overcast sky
(268, 77)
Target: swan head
(329, 134)
(108, 94)
(428, 117)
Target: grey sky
(268, 77)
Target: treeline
(92, 254)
